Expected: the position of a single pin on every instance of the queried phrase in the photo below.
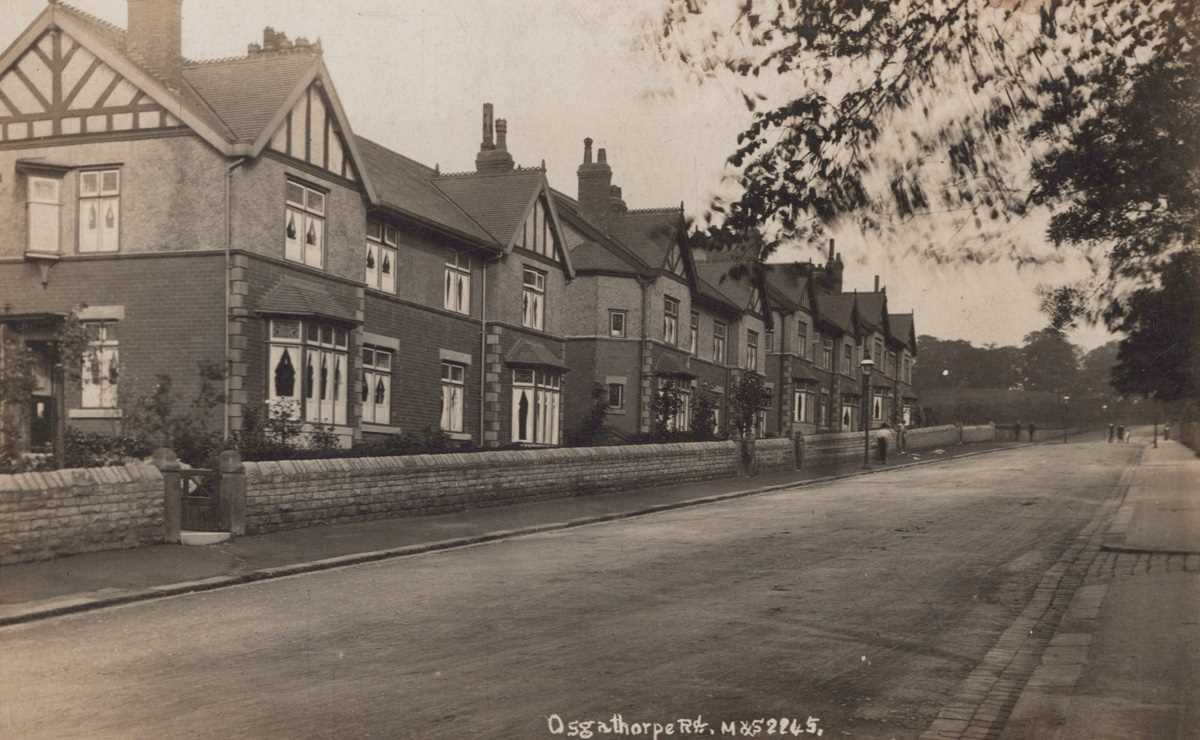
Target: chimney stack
(876, 283)
(595, 184)
(488, 143)
(830, 260)
(616, 204)
(493, 156)
(155, 37)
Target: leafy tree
(1050, 362)
(1161, 356)
(704, 413)
(750, 396)
(664, 407)
(971, 111)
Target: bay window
(533, 298)
(454, 376)
(536, 399)
(307, 375)
(99, 210)
(458, 284)
(43, 208)
(376, 385)
(381, 257)
(304, 225)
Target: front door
(41, 416)
(847, 417)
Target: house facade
(224, 214)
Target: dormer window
(99, 210)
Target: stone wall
(928, 438)
(841, 447)
(980, 433)
(45, 515)
(291, 494)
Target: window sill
(615, 412)
(459, 436)
(380, 428)
(94, 414)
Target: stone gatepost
(167, 463)
(233, 492)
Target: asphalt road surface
(861, 604)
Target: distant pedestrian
(1112, 429)
(1032, 431)
(1167, 432)
(1120, 432)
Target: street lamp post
(1066, 416)
(867, 364)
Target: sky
(413, 75)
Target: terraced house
(224, 212)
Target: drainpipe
(483, 344)
(229, 169)
(641, 366)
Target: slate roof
(408, 186)
(803, 373)
(838, 309)
(870, 308)
(672, 365)
(716, 274)
(791, 280)
(902, 327)
(595, 253)
(707, 290)
(496, 201)
(291, 297)
(649, 233)
(526, 352)
(247, 92)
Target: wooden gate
(201, 500)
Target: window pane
(383, 360)
(314, 239)
(295, 194)
(368, 357)
(389, 235)
(89, 184)
(316, 201)
(523, 376)
(340, 337)
(326, 334)
(110, 182)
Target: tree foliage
(969, 111)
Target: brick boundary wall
(65, 512)
(301, 493)
(1189, 435)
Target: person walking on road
(1111, 431)
(1032, 429)
(1120, 432)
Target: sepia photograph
(572, 369)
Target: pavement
(40, 590)
(863, 606)
(1125, 659)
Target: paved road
(862, 603)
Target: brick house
(225, 212)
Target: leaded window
(101, 366)
(99, 210)
(304, 225)
(381, 257)
(376, 388)
(457, 287)
(533, 298)
(308, 372)
(454, 376)
(536, 400)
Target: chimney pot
(831, 250)
(502, 134)
(587, 150)
(876, 283)
(602, 156)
